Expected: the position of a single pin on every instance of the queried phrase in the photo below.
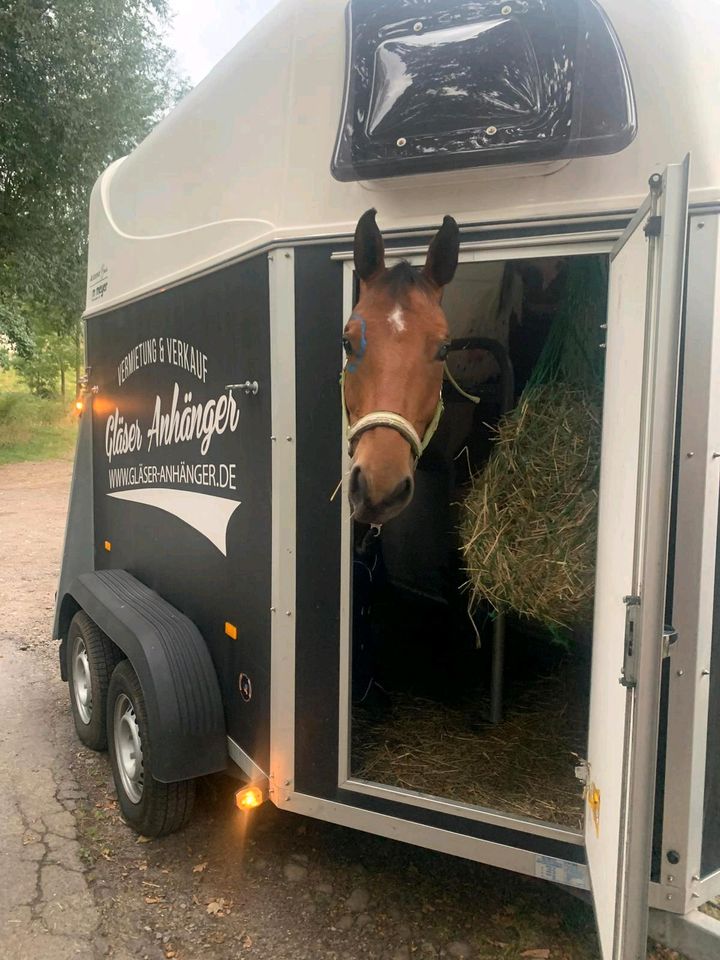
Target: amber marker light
(248, 798)
(108, 546)
(231, 630)
(79, 406)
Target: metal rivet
(669, 897)
(602, 346)
(716, 455)
(401, 141)
(705, 672)
(690, 454)
(603, 326)
(287, 256)
(273, 609)
(273, 439)
(673, 857)
(288, 613)
(506, 10)
(670, 879)
(417, 27)
(289, 439)
(491, 131)
(696, 877)
(701, 225)
(680, 673)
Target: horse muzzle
(373, 504)
(381, 482)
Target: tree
(81, 82)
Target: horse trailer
(221, 606)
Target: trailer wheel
(151, 808)
(90, 659)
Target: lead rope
(463, 393)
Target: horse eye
(347, 346)
(443, 351)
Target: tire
(150, 807)
(90, 658)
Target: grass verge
(33, 428)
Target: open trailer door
(644, 309)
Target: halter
(385, 418)
(395, 421)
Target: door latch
(249, 387)
(632, 609)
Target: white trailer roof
(244, 160)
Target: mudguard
(173, 664)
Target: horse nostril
(358, 484)
(402, 492)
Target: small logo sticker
(99, 283)
(562, 871)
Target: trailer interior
(443, 706)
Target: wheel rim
(82, 683)
(128, 748)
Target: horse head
(396, 341)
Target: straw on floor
(525, 766)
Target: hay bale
(529, 530)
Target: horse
(396, 342)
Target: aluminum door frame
(281, 774)
(682, 887)
(597, 242)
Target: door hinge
(632, 609)
(653, 226)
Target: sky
(204, 30)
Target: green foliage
(46, 353)
(45, 368)
(32, 428)
(81, 82)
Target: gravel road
(75, 882)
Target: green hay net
(529, 521)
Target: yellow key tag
(593, 798)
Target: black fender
(174, 667)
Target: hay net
(529, 520)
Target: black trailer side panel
(182, 469)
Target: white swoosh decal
(208, 515)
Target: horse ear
(369, 249)
(442, 258)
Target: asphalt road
(75, 882)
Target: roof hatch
(434, 85)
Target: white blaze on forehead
(396, 320)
